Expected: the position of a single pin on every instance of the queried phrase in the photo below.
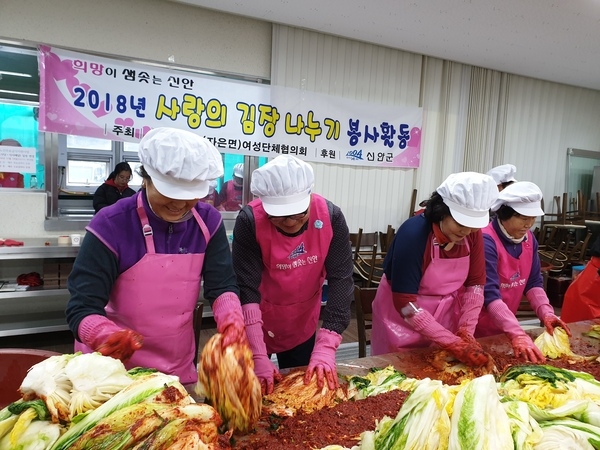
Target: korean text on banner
(105, 98)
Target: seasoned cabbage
(228, 381)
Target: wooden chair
(593, 213)
(413, 203)
(564, 225)
(558, 216)
(197, 321)
(369, 266)
(554, 258)
(385, 238)
(363, 300)
(579, 250)
(362, 241)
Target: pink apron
(156, 297)
(513, 274)
(233, 200)
(438, 290)
(293, 275)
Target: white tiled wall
(23, 213)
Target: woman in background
(432, 290)
(229, 198)
(503, 175)
(114, 188)
(513, 270)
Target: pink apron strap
(146, 228)
(202, 225)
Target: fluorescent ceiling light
(15, 74)
(31, 94)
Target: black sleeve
(100, 200)
(94, 273)
(340, 283)
(221, 196)
(247, 257)
(217, 272)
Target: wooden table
(413, 362)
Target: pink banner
(106, 98)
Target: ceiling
(19, 60)
(554, 40)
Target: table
(561, 232)
(412, 362)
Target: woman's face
(166, 208)
(290, 224)
(518, 225)
(122, 178)
(453, 230)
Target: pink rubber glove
(322, 359)
(465, 350)
(470, 306)
(425, 324)
(264, 369)
(522, 344)
(227, 312)
(524, 347)
(102, 335)
(545, 312)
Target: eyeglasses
(524, 218)
(125, 177)
(298, 216)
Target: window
(89, 162)
(86, 173)
(82, 142)
(19, 128)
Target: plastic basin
(14, 364)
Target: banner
(92, 96)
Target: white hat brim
(532, 209)
(467, 217)
(178, 189)
(286, 206)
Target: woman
(432, 288)
(229, 198)
(503, 175)
(136, 280)
(582, 299)
(513, 270)
(114, 188)
(286, 243)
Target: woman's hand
(121, 344)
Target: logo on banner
(354, 155)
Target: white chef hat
(469, 195)
(212, 185)
(180, 163)
(503, 174)
(523, 196)
(284, 185)
(238, 170)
